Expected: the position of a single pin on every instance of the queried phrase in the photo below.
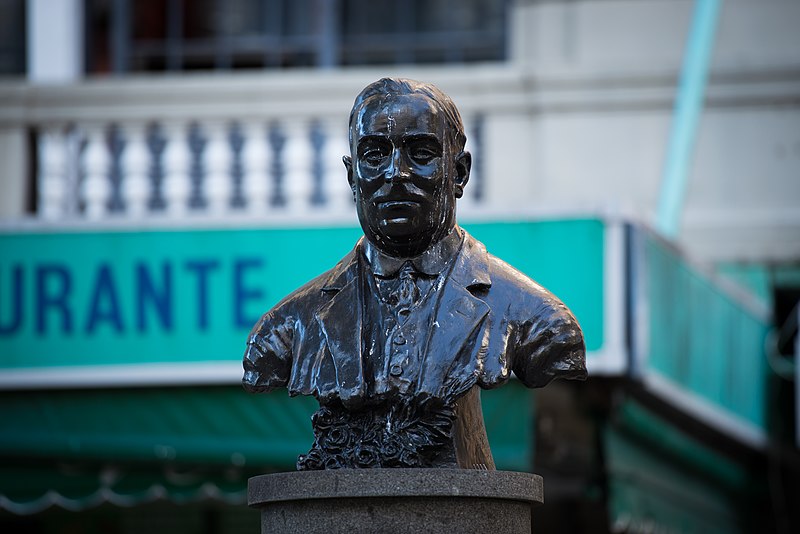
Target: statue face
(403, 174)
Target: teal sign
(179, 296)
(705, 340)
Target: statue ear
(463, 165)
(348, 164)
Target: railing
(174, 148)
(177, 168)
(270, 145)
(702, 340)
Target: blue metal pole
(686, 114)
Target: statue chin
(405, 236)
(400, 239)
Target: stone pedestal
(395, 501)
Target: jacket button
(395, 370)
(399, 339)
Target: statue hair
(387, 88)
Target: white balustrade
(256, 160)
(217, 159)
(75, 165)
(52, 156)
(177, 183)
(468, 201)
(338, 194)
(135, 166)
(96, 188)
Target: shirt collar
(431, 262)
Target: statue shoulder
(269, 355)
(547, 342)
(301, 303)
(524, 294)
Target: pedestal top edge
(349, 483)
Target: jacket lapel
(342, 335)
(457, 319)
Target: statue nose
(397, 170)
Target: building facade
(161, 161)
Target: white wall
(606, 73)
(578, 119)
(55, 40)
(13, 170)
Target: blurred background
(169, 169)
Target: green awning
(206, 425)
(30, 487)
(79, 448)
(661, 479)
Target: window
(182, 35)
(422, 31)
(12, 37)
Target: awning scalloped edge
(156, 492)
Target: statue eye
(374, 155)
(423, 156)
(422, 151)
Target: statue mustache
(403, 192)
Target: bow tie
(403, 292)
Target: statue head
(407, 164)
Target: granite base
(396, 501)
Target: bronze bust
(396, 340)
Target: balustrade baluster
(52, 155)
(236, 140)
(318, 140)
(96, 187)
(217, 160)
(135, 163)
(198, 139)
(256, 158)
(116, 146)
(297, 159)
(339, 196)
(277, 143)
(177, 182)
(477, 184)
(75, 142)
(156, 143)
(473, 192)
